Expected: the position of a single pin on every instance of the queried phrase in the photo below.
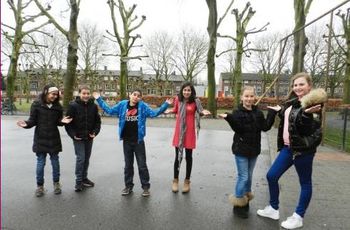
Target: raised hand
(66, 120)
(168, 111)
(314, 109)
(96, 95)
(22, 124)
(206, 112)
(170, 101)
(276, 108)
(222, 115)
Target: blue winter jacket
(144, 111)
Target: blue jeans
(245, 167)
(40, 166)
(303, 166)
(131, 148)
(82, 153)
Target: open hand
(92, 135)
(222, 115)
(169, 101)
(96, 95)
(314, 109)
(22, 124)
(168, 111)
(276, 108)
(66, 120)
(206, 112)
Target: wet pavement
(205, 207)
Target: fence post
(346, 109)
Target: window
(33, 85)
(107, 86)
(168, 92)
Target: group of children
(83, 123)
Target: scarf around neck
(183, 126)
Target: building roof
(251, 76)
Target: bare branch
(226, 51)
(253, 31)
(13, 7)
(36, 28)
(8, 26)
(25, 5)
(8, 55)
(137, 26)
(224, 15)
(110, 39)
(51, 19)
(227, 36)
(32, 17)
(34, 44)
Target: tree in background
(190, 55)
(90, 53)
(242, 20)
(213, 25)
(301, 9)
(72, 36)
(160, 48)
(125, 40)
(18, 36)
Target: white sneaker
(293, 222)
(269, 212)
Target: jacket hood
(314, 97)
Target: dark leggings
(188, 163)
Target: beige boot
(238, 202)
(186, 187)
(175, 186)
(250, 196)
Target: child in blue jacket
(132, 115)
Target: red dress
(190, 134)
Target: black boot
(241, 212)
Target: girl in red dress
(187, 108)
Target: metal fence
(336, 129)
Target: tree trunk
(72, 57)
(212, 32)
(346, 96)
(300, 39)
(237, 74)
(123, 79)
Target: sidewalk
(330, 203)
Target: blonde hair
(306, 76)
(247, 87)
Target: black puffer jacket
(304, 129)
(86, 119)
(247, 125)
(46, 135)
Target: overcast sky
(172, 15)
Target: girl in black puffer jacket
(46, 114)
(299, 134)
(247, 121)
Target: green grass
(333, 137)
(24, 106)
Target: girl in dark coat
(299, 134)
(247, 121)
(46, 114)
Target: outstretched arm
(109, 110)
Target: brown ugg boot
(239, 206)
(186, 187)
(250, 196)
(175, 186)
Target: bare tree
(190, 55)
(160, 49)
(212, 29)
(345, 17)
(315, 58)
(90, 52)
(125, 39)
(301, 9)
(72, 38)
(266, 63)
(242, 20)
(17, 38)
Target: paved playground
(205, 207)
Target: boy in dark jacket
(83, 129)
(46, 114)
